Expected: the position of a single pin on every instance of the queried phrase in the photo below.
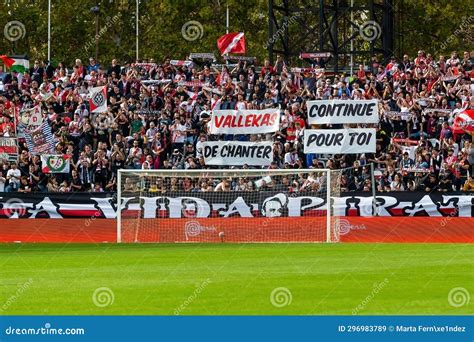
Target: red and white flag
(464, 122)
(192, 96)
(177, 62)
(232, 43)
(98, 100)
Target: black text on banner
(8, 149)
(103, 205)
(351, 140)
(245, 121)
(237, 153)
(342, 111)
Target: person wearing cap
(176, 159)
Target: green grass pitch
(235, 279)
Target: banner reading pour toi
(351, 140)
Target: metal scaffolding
(352, 32)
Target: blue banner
(237, 328)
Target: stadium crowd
(158, 116)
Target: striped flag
(192, 96)
(232, 43)
(40, 140)
(464, 122)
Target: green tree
(437, 26)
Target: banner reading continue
(237, 153)
(351, 140)
(342, 112)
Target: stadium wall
(90, 218)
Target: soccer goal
(227, 205)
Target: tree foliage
(437, 26)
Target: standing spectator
(13, 177)
(36, 72)
(113, 69)
(93, 66)
(134, 159)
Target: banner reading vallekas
(249, 121)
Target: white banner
(55, 163)
(237, 153)
(342, 111)
(333, 141)
(247, 121)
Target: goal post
(235, 205)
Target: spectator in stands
(13, 178)
(163, 123)
(469, 184)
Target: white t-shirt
(16, 173)
(291, 158)
(199, 149)
(179, 134)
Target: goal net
(170, 206)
